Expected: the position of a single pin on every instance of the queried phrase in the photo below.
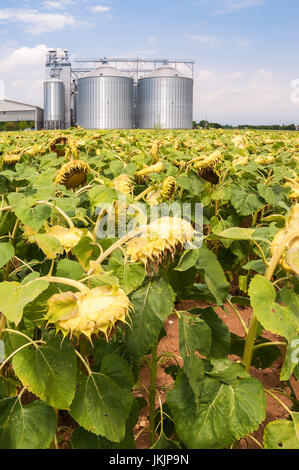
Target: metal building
(54, 99)
(13, 111)
(165, 100)
(58, 65)
(105, 99)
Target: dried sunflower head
(67, 237)
(56, 143)
(210, 161)
(89, 312)
(264, 160)
(123, 184)
(145, 172)
(73, 174)
(161, 236)
(11, 159)
(289, 260)
(168, 189)
(205, 166)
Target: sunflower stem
(152, 394)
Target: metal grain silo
(75, 97)
(105, 99)
(165, 99)
(54, 98)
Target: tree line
(215, 125)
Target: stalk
(152, 394)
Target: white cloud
(37, 22)
(23, 72)
(101, 9)
(237, 42)
(57, 4)
(222, 7)
(240, 97)
(205, 74)
(152, 40)
(204, 40)
(232, 6)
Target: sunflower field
(85, 310)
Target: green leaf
(281, 320)
(26, 427)
(256, 265)
(118, 370)
(86, 251)
(49, 371)
(69, 269)
(152, 304)
(220, 345)
(225, 413)
(244, 202)
(164, 443)
(102, 407)
(214, 274)
(194, 335)
(7, 252)
(130, 275)
(49, 245)
(188, 260)
(282, 434)
(34, 217)
(14, 297)
(82, 439)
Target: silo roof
(105, 71)
(165, 71)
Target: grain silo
(165, 100)
(105, 99)
(54, 112)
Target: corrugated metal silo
(105, 99)
(165, 99)
(54, 111)
(75, 108)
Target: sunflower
(61, 140)
(123, 184)
(168, 189)
(73, 174)
(161, 236)
(205, 166)
(145, 172)
(11, 159)
(89, 312)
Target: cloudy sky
(246, 51)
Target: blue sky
(245, 50)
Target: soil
(270, 378)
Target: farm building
(13, 111)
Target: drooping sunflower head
(58, 145)
(168, 189)
(89, 312)
(264, 160)
(10, 159)
(205, 166)
(159, 237)
(290, 258)
(73, 174)
(124, 184)
(145, 172)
